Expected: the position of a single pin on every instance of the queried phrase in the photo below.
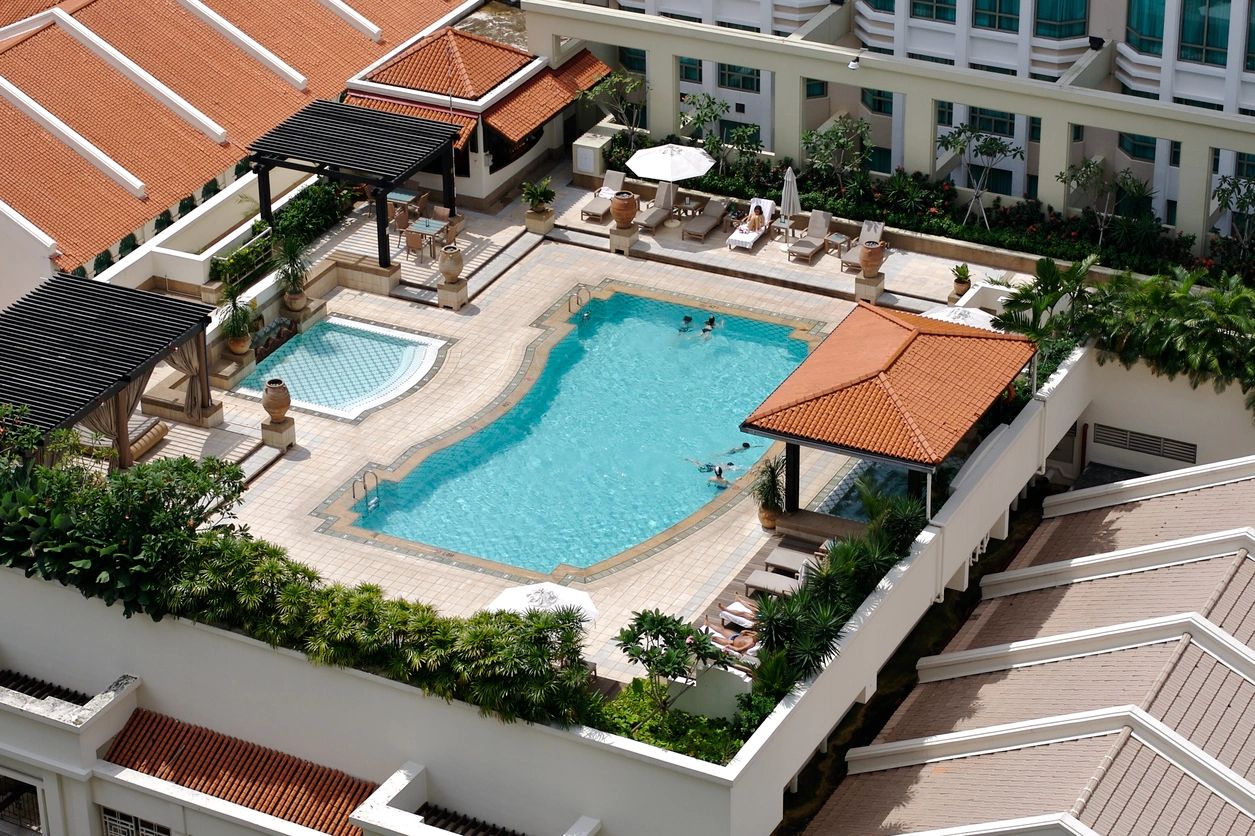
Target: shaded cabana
(76, 350)
(356, 145)
(890, 386)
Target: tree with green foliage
(1044, 308)
(978, 150)
(128, 244)
(1237, 196)
(841, 149)
(746, 145)
(186, 205)
(1100, 189)
(164, 221)
(702, 114)
(619, 94)
(104, 260)
(668, 649)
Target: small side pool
(342, 367)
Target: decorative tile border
(440, 343)
(338, 517)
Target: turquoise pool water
(343, 367)
(594, 458)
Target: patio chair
(771, 583)
(742, 236)
(699, 227)
(661, 208)
(872, 232)
(415, 242)
(402, 219)
(789, 561)
(813, 243)
(599, 206)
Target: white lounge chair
(742, 236)
(599, 206)
(699, 227)
(770, 582)
(813, 244)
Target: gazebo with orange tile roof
(889, 386)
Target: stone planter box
(869, 289)
(540, 223)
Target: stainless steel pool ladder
(372, 502)
(579, 298)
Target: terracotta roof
(543, 96)
(893, 384)
(12, 11)
(243, 773)
(84, 210)
(464, 121)
(1133, 783)
(453, 63)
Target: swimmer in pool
(686, 324)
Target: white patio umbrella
(790, 203)
(670, 163)
(544, 596)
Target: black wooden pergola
(356, 145)
(72, 344)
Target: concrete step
(257, 460)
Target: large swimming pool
(595, 458)
(343, 367)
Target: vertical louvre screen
(1152, 445)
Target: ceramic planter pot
(870, 256)
(239, 345)
(295, 301)
(623, 209)
(767, 518)
(961, 287)
(276, 399)
(450, 263)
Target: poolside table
(837, 241)
(429, 229)
(403, 197)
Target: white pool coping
(395, 388)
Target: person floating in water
(708, 327)
(708, 467)
(717, 480)
(732, 451)
(686, 324)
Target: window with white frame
(124, 824)
(20, 808)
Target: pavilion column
(381, 226)
(446, 175)
(919, 124)
(263, 192)
(205, 399)
(122, 435)
(917, 484)
(792, 476)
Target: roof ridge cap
(1101, 772)
(920, 438)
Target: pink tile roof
(894, 384)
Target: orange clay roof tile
(83, 209)
(453, 63)
(894, 384)
(544, 96)
(465, 122)
(243, 773)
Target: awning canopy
(71, 344)
(892, 385)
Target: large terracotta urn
(870, 256)
(450, 263)
(276, 399)
(295, 302)
(623, 209)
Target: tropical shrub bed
(314, 210)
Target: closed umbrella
(544, 596)
(790, 203)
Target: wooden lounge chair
(599, 206)
(872, 231)
(813, 243)
(742, 236)
(699, 227)
(788, 561)
(660, 209)
(771, 583)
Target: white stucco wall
(27, 255)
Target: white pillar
(664, 93)
(788, 108)
(1194, 192)
(919, 127)
(1053, 154)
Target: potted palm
(291, 275)
(962, 279)
(538, 196)
(769, 490)
(237, 319)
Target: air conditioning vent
(1152, 445)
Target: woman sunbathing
(755, 222)
(740, 611)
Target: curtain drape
(187, 360)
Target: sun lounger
(770, 582)
(701, 226)
(599, 206)
(813, 243)
(749, 655)
(738, 614)
(872, 231)
(660, 209)
(788, 560)
(742, 236)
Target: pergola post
(446, 176)
(381, 225)
(263, 192)
(122, 435)
(792, 476)
(205, 399)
